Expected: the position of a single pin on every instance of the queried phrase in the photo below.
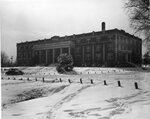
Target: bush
(65, 63)
(146, 58)
(59, 69)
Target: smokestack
(103, 27)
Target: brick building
(106, 47)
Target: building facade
(106, 47)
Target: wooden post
(28, 78)
(105, 82)
(119, 83)
(136, 85)
(43, 79)
(69, 81)
(60, 80)
(35, 79)
(91, 81)
(81, 80)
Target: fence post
(28, 78)
(35, 79)
(119, 84)
(81, 80)
(60, 80)
(43, 79)
(136, 85)
(91, 81)
(105, 82)
(69, 81)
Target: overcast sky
(27, 20)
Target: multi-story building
(105, 47)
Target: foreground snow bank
(20, 90)
(75, 100)
(38, 108)
(105, 102)
(87, 101)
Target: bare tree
(4, 59)
(139, 15)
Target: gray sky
(27, 20)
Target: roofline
(78, 35)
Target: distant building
(106, 47)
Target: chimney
(103, 27)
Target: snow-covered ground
(52, 99)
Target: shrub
(65, 63)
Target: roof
(74, 36)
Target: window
(125, 48)
(130, 41)
(124, 40)
(78, 49)
(110, 46)
(117, 37)
(65, 50)
(78, 57)
(98, 48)
(127, 40)
(119, 47)
(88, 40)
(98, 56)
(93, 40)
(110, 56)
(19, 48)
(122, 47)
(23, 55)
(113, 37)
(83, 40)
(118, 40)
(87, 49)
(121, 38)
(77, 41)
(87, 57)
